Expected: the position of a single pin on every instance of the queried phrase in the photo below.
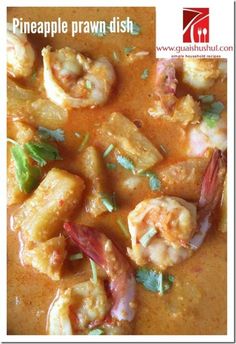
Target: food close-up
(116, 182)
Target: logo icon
(196, 25)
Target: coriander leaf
(76, 256)
(210, 118)
(42, 152)
(108, 150)
(217, 107)
(27, 176)
(154, 281)
(154, 182)
(125, 162)
(84, 142)
(109, 201)
(145, 74)
(56, 135)
(136, 29)
(206, 98)
(88, 84)
(128, 50)
(96, 332)
(110, 166)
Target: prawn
(202, 137)
(179, 227)
(20, 54)
(121, 280)
(184, 109)
(72, 80)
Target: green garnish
(88, 84)
(47, 134)
(154, 182)
(94, 271)
(123, 227)
(125, 162)
(210, 118)
(108, 150)
(27, 176)
(136, 29)
(206, 98)
(128, 50)
(110, 166)
(217, 107)
(154, 281)
(211, 110)
(115, 56)
(76, 256)
(145, 74)
(84, 142)
(109, 201)
(96, 332)
(42, 152)
(145, 239)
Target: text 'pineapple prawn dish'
(116, 182)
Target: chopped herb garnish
(210, 118)
(217, 107)
(42, 152)
(136, 29)
(145, 239)
(144, 74)
(128, 50)
(84, 142)
(47, 134)
(110, 166)
(88, 84)
(205, 99)
(123, 227)
(154, 281)
(109, 201)
(108, 150)
(115, 56)
(125, 162)
(154, 182)
(96, 332)
(94, 270)
(76, 256)
(27, 176)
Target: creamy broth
(196, 304)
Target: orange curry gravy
(196, 304)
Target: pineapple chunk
(47, 257)
(29, 105)
(22, 133)
(91, 168)
(130, 142)
(42, 215)
(184, 178)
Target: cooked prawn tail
(212, 183)
(211, 190)
(103, 251)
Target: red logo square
(196, 25)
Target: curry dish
(116, 182)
